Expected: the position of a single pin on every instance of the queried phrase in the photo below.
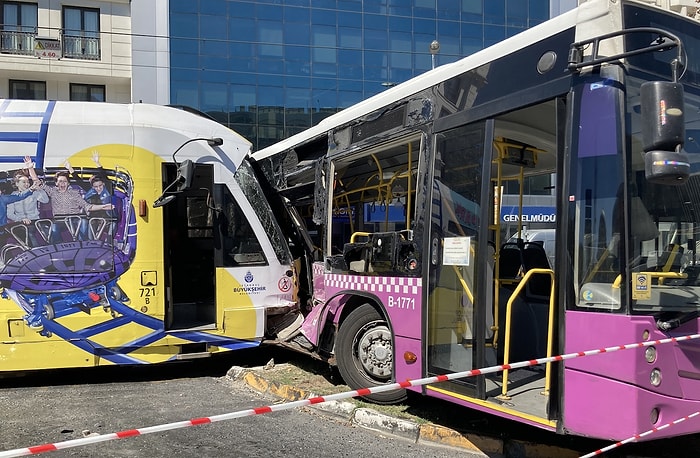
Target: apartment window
(18, 22)
(29, 90)
(87, 92)
(81, 33)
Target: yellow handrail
(659, 275)
(359, 234)
(550, 329)
(464, 284)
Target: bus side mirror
(663, 133)
(162, 200)
(183, 181)
(663, 117)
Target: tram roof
(439, 74)
(74, 126)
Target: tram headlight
(655, 377)
(650, 354)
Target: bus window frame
(573, 167)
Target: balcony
(17, 42)
(73, 46)
(77, 47)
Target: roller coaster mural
(66, 236)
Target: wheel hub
(375, 352)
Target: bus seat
(528, 329)
(355, 256)
(510, 261)
(534, 257)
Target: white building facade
(59, 50)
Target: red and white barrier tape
(641, 435)
(332, 397)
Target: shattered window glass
(250, 187)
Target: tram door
(456, 325)
(188, 225)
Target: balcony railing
(17, 42)
(77, 47)
(73, 46)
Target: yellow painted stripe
(79, 320)
(542, 421)
(122, 335)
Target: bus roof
(439, 74)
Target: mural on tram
(67, 234)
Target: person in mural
(6, 199)
(67, 201)
(100, 172)
(26, 210)
(99, 193)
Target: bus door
(458, 299)
(188, 237)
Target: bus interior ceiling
(373, 176)
(533, 126)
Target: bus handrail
(659, 275)
(550, 329)
(359, 234)
(464, 284)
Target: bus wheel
(365, 354)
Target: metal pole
(434, 49)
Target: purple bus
(403, 269)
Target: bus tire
(364, 353)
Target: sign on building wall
(47, 48)
(531, 214)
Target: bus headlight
(650, 354)
(655, 377)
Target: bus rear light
(655, 377)
(650, 354)
(410, 357)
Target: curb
(429, 433)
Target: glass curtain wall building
(271, 68)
